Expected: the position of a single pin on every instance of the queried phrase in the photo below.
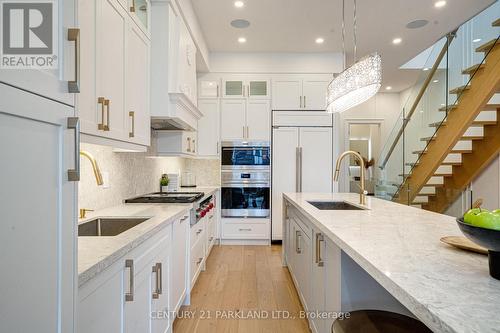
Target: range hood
(184, 114)
(173, 70)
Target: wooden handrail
(428, 79)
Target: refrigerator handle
(300, 169)
(297, 167)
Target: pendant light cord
(343, 35)
(355, 37)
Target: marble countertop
(97, 253)
(450, 290)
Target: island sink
(110, 226)
(334, 205)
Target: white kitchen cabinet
(301, 258)
(250, 88)
(287, 93)
(38, 229)
(316, 156)
(111, 20)
(137, 84)
(258, 120)
(53, 84)
(245, 119)
(300, 92)
(208, 128)
(233, 119)
(176, 143)
(180, 255)
(114, 99)
(128, 295)
(315, 267)
(208, 88)
(314, 92)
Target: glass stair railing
(446, 73)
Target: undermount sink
(109, 226)
(334, 205)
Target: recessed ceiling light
(397, 41)
(242, 40)
(439, 4)
(435, 81)
(239, 4)
(388, 88)
(240, 24)
(425, 69)
(477, 40)
(319, 40)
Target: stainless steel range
(246, 179)
(201, 205)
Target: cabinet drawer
(299, 219)
(197, 259)
(197, 232)
(245, 230)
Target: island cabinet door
(318, 276)
(302, 264)
(180, 259)
(331, 266)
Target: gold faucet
(95, 167)
(362, 194)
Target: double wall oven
(246, 179)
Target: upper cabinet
(114, 101)
(208, 128)
(52, 83)
(246, 88)
(173, 69)
(243, 119)
(208, 89)
(300, 92)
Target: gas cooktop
(167, 197)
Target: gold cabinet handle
(300, 99)
(194, 146)
(244, 132)
(106, 103)
(101, 126)
(129, 297)
(319, 239)
(297, 241)
(74, 174)
(157, 269)
(132, 115)
(132, 9)
(74, 36)
(189, 145)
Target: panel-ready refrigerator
(302, 158)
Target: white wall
(276, 62)
(384, 107)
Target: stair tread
(474, 123)
(472, 69)
(487, 107)
(453, 151)
(496, 23)
(464, 138)
(459, 90)
(487, 46)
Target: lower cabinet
(180, 254)
(314, 263)
(132, 295)
(198, 254)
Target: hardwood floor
(248, 279)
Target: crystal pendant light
(357, 83)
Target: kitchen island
(399, 248)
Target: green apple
(496, 212)
(487, 220)
(470, 216)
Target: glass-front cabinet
(249, 88)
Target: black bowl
(487, 238)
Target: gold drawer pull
(132, 115)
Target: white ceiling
(293, 26)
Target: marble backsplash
(132, 174)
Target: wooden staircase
(463, 145)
